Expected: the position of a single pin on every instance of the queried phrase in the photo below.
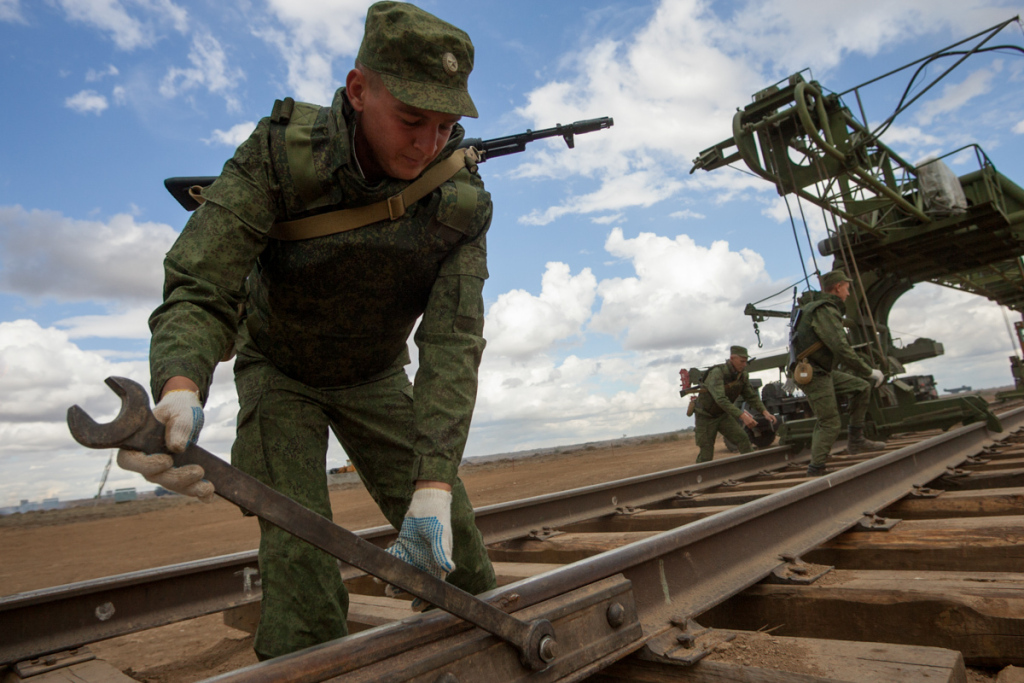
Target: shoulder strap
(291, 123)
(810, 349)
(807, 308)
(703, 389)
(298, 141)
(391, 208)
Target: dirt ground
(52, 548)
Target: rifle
(181, 188)
(512, 144)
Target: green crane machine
(891, 224)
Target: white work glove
(182, 414)
(877, 377)
(425, 539)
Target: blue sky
(611, 266)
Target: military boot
(856, 442)
(816, 471)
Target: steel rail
(64, 617)
(678, 574)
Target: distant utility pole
(103, 479)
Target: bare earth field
(44, 549)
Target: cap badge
(451, 65)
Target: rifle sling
(391, 208)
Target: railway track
(737, 569)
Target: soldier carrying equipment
(714, 404)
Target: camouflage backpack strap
(295, 121)
(459, 198)
(801, 321)
(392, 208)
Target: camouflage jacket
(822, 319)
(721, 387)
(334, 310)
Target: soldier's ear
(356, 87)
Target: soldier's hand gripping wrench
(135, 428)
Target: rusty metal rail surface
(674, 575)
(63, 617)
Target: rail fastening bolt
(548, 648)
(616, 615)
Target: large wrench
(135, 428)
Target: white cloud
(971, 328)
(1019, 128)
(538, 402)
(683, 295)
(42, 373)
(127, 31)
(608, 220)
(168, 12)
(315, 33)
(789, 35)
(10, 10)
(232, 137)
(778, 211)
(110, 16)
(87, 102)
(131, 324)
(956, 95)
(636, 189)
(674, 85)
(686, 213)
(120, 95)
(93, 75)
(45, 254)
(209, 69)
(520, 324)
(910, 136)
(682, 308)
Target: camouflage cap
(833, 278)
(423, 61)
(739, 351)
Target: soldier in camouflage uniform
(821, 319)
(323, 344)
(716, 411)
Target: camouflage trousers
(707, 428)
(821, 391)
(282, 437)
